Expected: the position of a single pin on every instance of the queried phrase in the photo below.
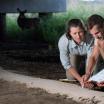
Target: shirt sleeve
(64, 53)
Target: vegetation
(52, 28)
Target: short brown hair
(95, 20)
(73, 23)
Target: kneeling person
(73, 45)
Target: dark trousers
(79, 62)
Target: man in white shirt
(73, 46)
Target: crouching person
(74, 46)
(96, 29)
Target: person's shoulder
(63, 36)
(63, 40)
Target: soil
(15, 93)
(24, 62)
(40, 63)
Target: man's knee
(68, 75)
(78, 62)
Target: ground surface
(14, 93)
(31, 63)
(24, 62)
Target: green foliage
(12, 29)
(14, 32)
(52, 27)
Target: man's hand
(84, 80)
(101, 84)
(89, 85)
(86, 84)
(85, 77)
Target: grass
(52, 28)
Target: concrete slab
(52, 86)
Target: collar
(74, 44)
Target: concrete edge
(71, 90)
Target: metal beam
(10, 6)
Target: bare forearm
(90, 66)
(72, 71)
(92, 60)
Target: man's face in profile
(96, 32)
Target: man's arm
(91, 62)
(73, 72)
(64, 53)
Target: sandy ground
(15, 93)
(22, 62)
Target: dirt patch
(15, 93)
(18, 62)
(26, 64)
